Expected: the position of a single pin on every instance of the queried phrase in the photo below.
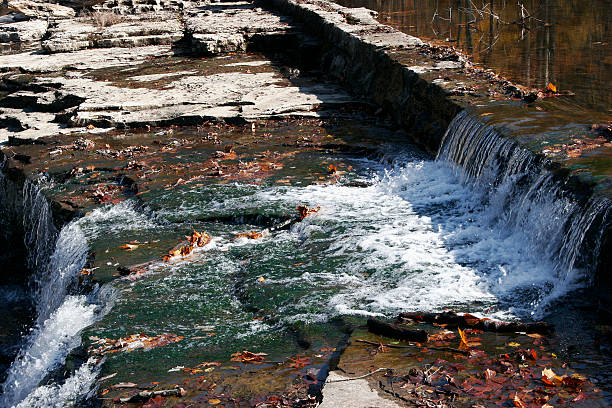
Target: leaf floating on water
(129, 247)
(463, 342)
(214, 401)
(443, 335)
(197, 239)
(133, 342)
(248, 357)
(299, 362)
(125, 385)
(551, 87)
(332, 169)
(304, 211)
(514, 344)
(250, 235)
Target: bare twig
(449, 349)
(360, 377)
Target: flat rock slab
(230, 26)
(341, 391)
(38, 62)
(66, 36)
(119, 97)
(23, 31)
(39, 9)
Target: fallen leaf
(304, 211)
(214, 401)
(517, 402)
(514, 344)
(551, 87)
(129, 247)
(464, 341)
(299, 362)
(250, 235)
(489, 374)
(248, 357)
(125, 385)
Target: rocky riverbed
(154, 156)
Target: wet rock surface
(104, 99)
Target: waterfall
(522, 192)
(55, 260)
(39, 231)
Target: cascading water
(39, 231)
(55, 259)
(522, 193)
(60, 318)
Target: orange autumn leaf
(133, 342)
(250, 235)
(517, 402)
(332, 169)
(533, 354)
(551, 87)
(304, 211)
(299, 362)
(248, 357)
(199, 239)
(464, 342)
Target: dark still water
(566, 42)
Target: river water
(397, 230)
(531, 42)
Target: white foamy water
(68, 394)
(62, 316)
(112, 219)
(419, 239)
(61, 270)
(47, 348)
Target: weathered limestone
(366, 59)
(230, 26)
(66, 36)
(188, 100)
(22, 31)
(132, 7)
(38, 62)
(341, 391)
(39, 9)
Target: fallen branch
(397, 346)
(360, 377)
(453, 320)
(377, 326)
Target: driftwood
(377, 326)
(453, 320)
(413, 346)
(147, 395)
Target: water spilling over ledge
(489, 227)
